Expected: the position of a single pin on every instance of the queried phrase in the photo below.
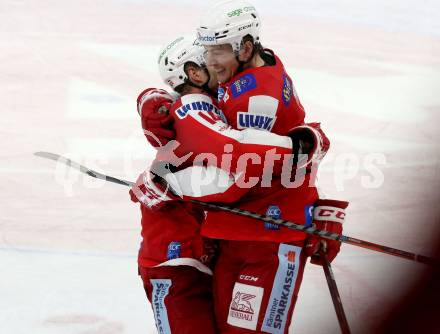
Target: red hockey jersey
(264, 98)
(201, 132)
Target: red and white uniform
(260, 266)
(181, 298)
(263, 98)
(256, 285)
(200, 129)
(173, 264)
(260, 98)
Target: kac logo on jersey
(248, 120)
(174, 249)
(244, 84)
(273, 212)
(287, 90)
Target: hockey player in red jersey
(172, 258)
(259, 272)
(260, 261)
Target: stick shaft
(325, 234)
(334, 292)
(282, 222)
(389, 250)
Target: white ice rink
(70, 72)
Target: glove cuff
(330, 211)
(309, 144)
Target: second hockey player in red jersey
(260, 266)
(174, 259)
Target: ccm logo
(248, 278)
(329, 214)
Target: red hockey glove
(151, 191)
(153, 106)
(310, 143)
(328, 215)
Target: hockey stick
(327, 235)
(282, 222)
(336, 298)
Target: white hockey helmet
(227, 22)
(174, 56)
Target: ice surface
(70, 73)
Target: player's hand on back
(310, 143)
(153, 106)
